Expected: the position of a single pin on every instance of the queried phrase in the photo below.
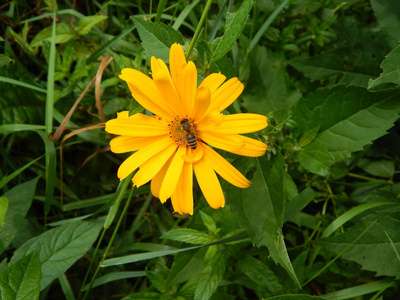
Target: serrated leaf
(3, 209)
(348, 118)
(21, 281)
(60, 248)
(211, 277)
(388, 14)
(188, 235)
(64, 33)
(157, 38)
(259, 208)
(159, 275)
(374, 251)
(261, 274)
(209, 222)
(235, 25)
(86, 24)
(19, 201)
(391, 69)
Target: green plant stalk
(160, 9)
(199, 27)
(121, 217)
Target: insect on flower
(178, 140)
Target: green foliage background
(321, 219)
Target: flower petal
(165, 85)
(172, 176)
(224, 168)
(182, 198)
(213, 81)
(188, 92)
(141, 156)
(209, 184)
(251, 148)
(137, 125)
(193, 156)
(122, 144)
(151, 167)
(145, 92)
(224, 142)
(226, 94)
(156, 182)
(202, 102)
(242, 123)
(177, 63)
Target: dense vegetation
(322, 216)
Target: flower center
(183, 131)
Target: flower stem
(199, 27)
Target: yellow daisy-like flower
(176, 139)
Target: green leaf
(235, 24)
(86, 24)
(157, 38)
(159, 275)
(267, 90)
(21, 281)
(64, 33)
(261, 274)
(20, 199)
(187, 265)
(391, 69)
(187, 235)
(381, 168)
(388, 14)
(211, 277)
(297, 204)
(60, 248)
(259, 208)
(3, 209)
(377, 249)
(329, 65)
(347, 118)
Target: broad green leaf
(3, 209)
(157, 38)
(267, 90)
(86, 24)
(377, 249)
(211, 277)
(329, 65)
(188, 235)
(235, 24)
(21, 280)
(187, 265)
(60, 248)
(209, 222)
(64, 33)
(381, 168)
(391, 69)
(259, 208)
(158, 276)
(19, 201)
(261, 274)
(388, 14)
(347, 119)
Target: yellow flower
(178, 138)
